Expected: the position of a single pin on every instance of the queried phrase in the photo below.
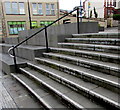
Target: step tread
(45, 96)
(64, 90)
(62, 74)
(89, 61)
(91, 45)
(101, 75)
(116, 56)
(78, 81)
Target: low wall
(26, 52)
(55, 34)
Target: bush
(116, 17)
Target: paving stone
(26, 102)
(53, 101)
(109, 94)
(41, 92)
(18, 95)
(82, 100)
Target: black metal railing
(45, 28)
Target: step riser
(96, 36)
(89, 56)
(116, 51)
(65, 101)
(86, 65)
(116, 43)
(83, 76)
(82, 91)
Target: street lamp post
(29, 14)
(88, 10)
(80, 11)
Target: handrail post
(46, 38)
(15, 62)
(78, 26)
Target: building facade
(0, 21)
(104, 8)
(19, 15)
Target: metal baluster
(46, 38)
(78, 26)
(15, 62)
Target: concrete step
(91, 47)
(87, 89)
(105, 57)
(97, 35)
(105, 67)
(7, 63)
(101, 79)
(47, 99)
(66, 94)
(100, 41)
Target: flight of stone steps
(82, 74)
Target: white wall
(118, 3)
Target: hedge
(116, 17)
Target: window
(14, 8)
(34, 6)
(8, 8)
(21, 8)
(40, 9)
(47, 9)
(34, 24)
(43, 23)
(16, 26)
(37, 9)
(114, 3)
(52, 9)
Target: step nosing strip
(56, 91)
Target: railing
(13, 55)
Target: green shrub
(116, 17)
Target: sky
(68, 4)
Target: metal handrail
(11, 48)
(45, 28)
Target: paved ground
(111, 30)
(14, 95)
